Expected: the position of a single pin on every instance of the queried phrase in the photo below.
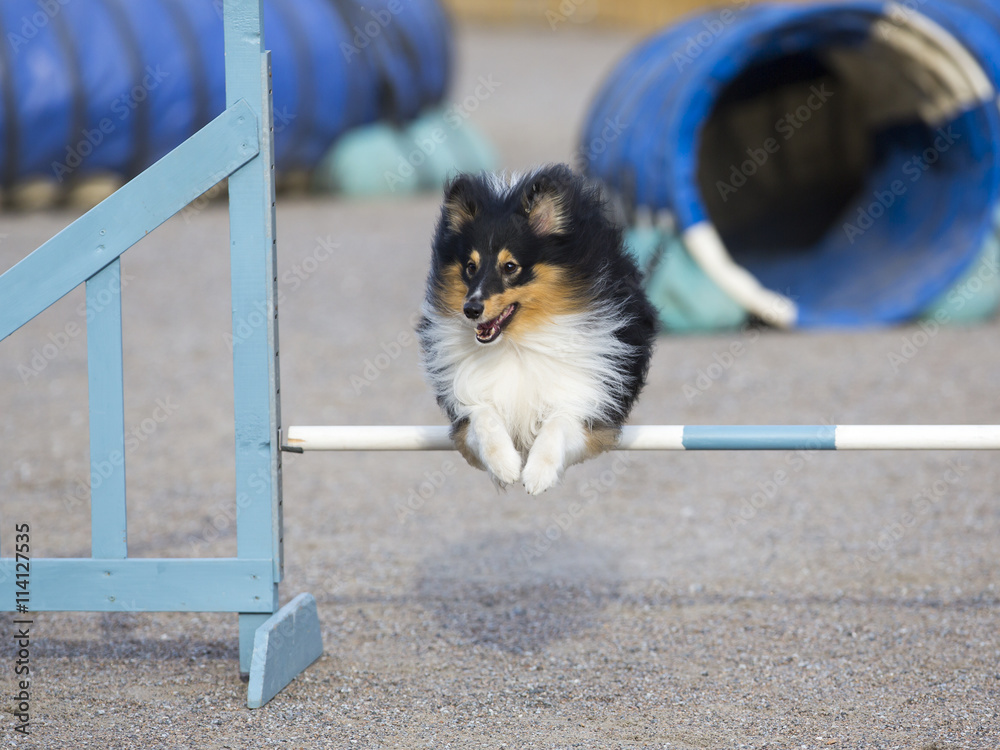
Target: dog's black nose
(473, 309)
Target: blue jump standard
(759, 437)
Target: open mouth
(491, 329)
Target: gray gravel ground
(674, 609)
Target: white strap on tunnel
(706, 247)
(934, 49)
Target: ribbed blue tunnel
(843, 154)
(92, 85)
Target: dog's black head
(510, 254)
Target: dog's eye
(509, 267)
(471, 267)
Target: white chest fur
(568, 367)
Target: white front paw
(542, 471)
(502, 461)
(489, 441)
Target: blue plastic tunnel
(824, 165)
(113, 85)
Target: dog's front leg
(483, 440)
(562, 442)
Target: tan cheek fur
(547, 295)
(452, 289)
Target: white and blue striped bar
(677, 437)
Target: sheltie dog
(535, 333)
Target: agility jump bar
(676, 437)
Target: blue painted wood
(759, 437)
(106, 231)
(238, 144)
(273, 348)
(254, 297)
(108, 530)
(288, 642)
(248, 624)
(252, 263)
(144, 585)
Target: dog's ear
(459, 204)
(544, 205)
